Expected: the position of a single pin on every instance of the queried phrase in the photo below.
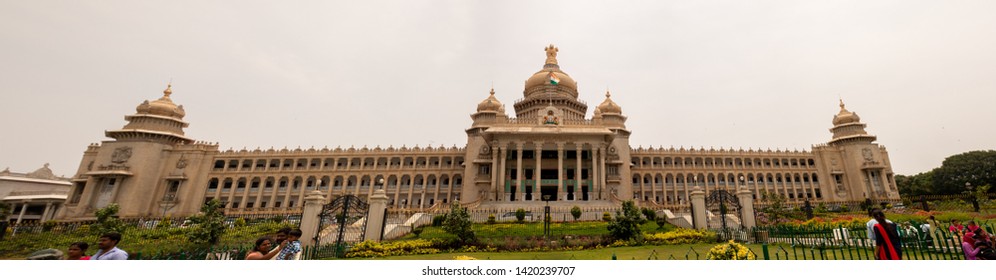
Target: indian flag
(553, 79)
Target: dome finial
(551, 54)
(841, 103)
(607, 94)
(169, 89)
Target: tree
(208, 225)
(775, 209)
(458, 223)
(975, 167)
(919, 184)
(576, 212)
(626, 225)
(107, 219)
(650, 214)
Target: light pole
(546, 216)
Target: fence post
(698, 208)
(309, 217)
(376, 216)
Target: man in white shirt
(108, 244)
(870, 227)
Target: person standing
(280, 237)
(293, 246)
(887, 243)
(77, 251)
(108, 244)
(263, 245)
(870, 225)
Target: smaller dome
(490, 104)
(609, 107)
(163, 106)
(550, 76)
(845, 116)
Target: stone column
(309, 217)
(538, 171)
(48, 208)
(746, 207)
(519, 179)
(596, 187)
(375, 216)
(577, 173)
(494, 172)
(561, 188)
(603, 174)
(501, 169)
(698, 208)
(24, 208)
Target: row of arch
(403, 191)
(674, 188)
(723, 162)
(343, 163)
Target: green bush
(491, 219)
(240, 222)
(437, 220)
(626, 225)
(650, 214)
(520, 215)
(606, 216)
(576, 213)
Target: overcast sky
(751, 74)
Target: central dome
(550, 78)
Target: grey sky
(751, 74)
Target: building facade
(549, 151)
(34, 196)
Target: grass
(622, 253)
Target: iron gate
(342, 222)
(723, 202)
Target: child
(293, 245)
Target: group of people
(288, 246)
(287, 240)
(107, 249)
(975, 242)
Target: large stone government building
(550, 150)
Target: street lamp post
(546, 216)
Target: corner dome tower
(848, 129)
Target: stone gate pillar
(375, 216)
(746, 198)
(698, 208)
(310, 217)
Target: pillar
(746, 198)
(48, 209)
(500, 172)
(698, 208)
(494, 170)
(577, 173)
(538, 171)
(24, 208)
(310, 217)
(562, 189)
(519, 179)
(376, 216)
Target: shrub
(520, 215)
(661, 221)
(491, 219)
(416, 231)
(730, 251)
(627, 222)
(458, 223)
(679, 236)
(576, 213)
(606, 216)
(107, 220)
(649, 213)
(208, 224)
(437, 220)
(240, 222)
(371, 249)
